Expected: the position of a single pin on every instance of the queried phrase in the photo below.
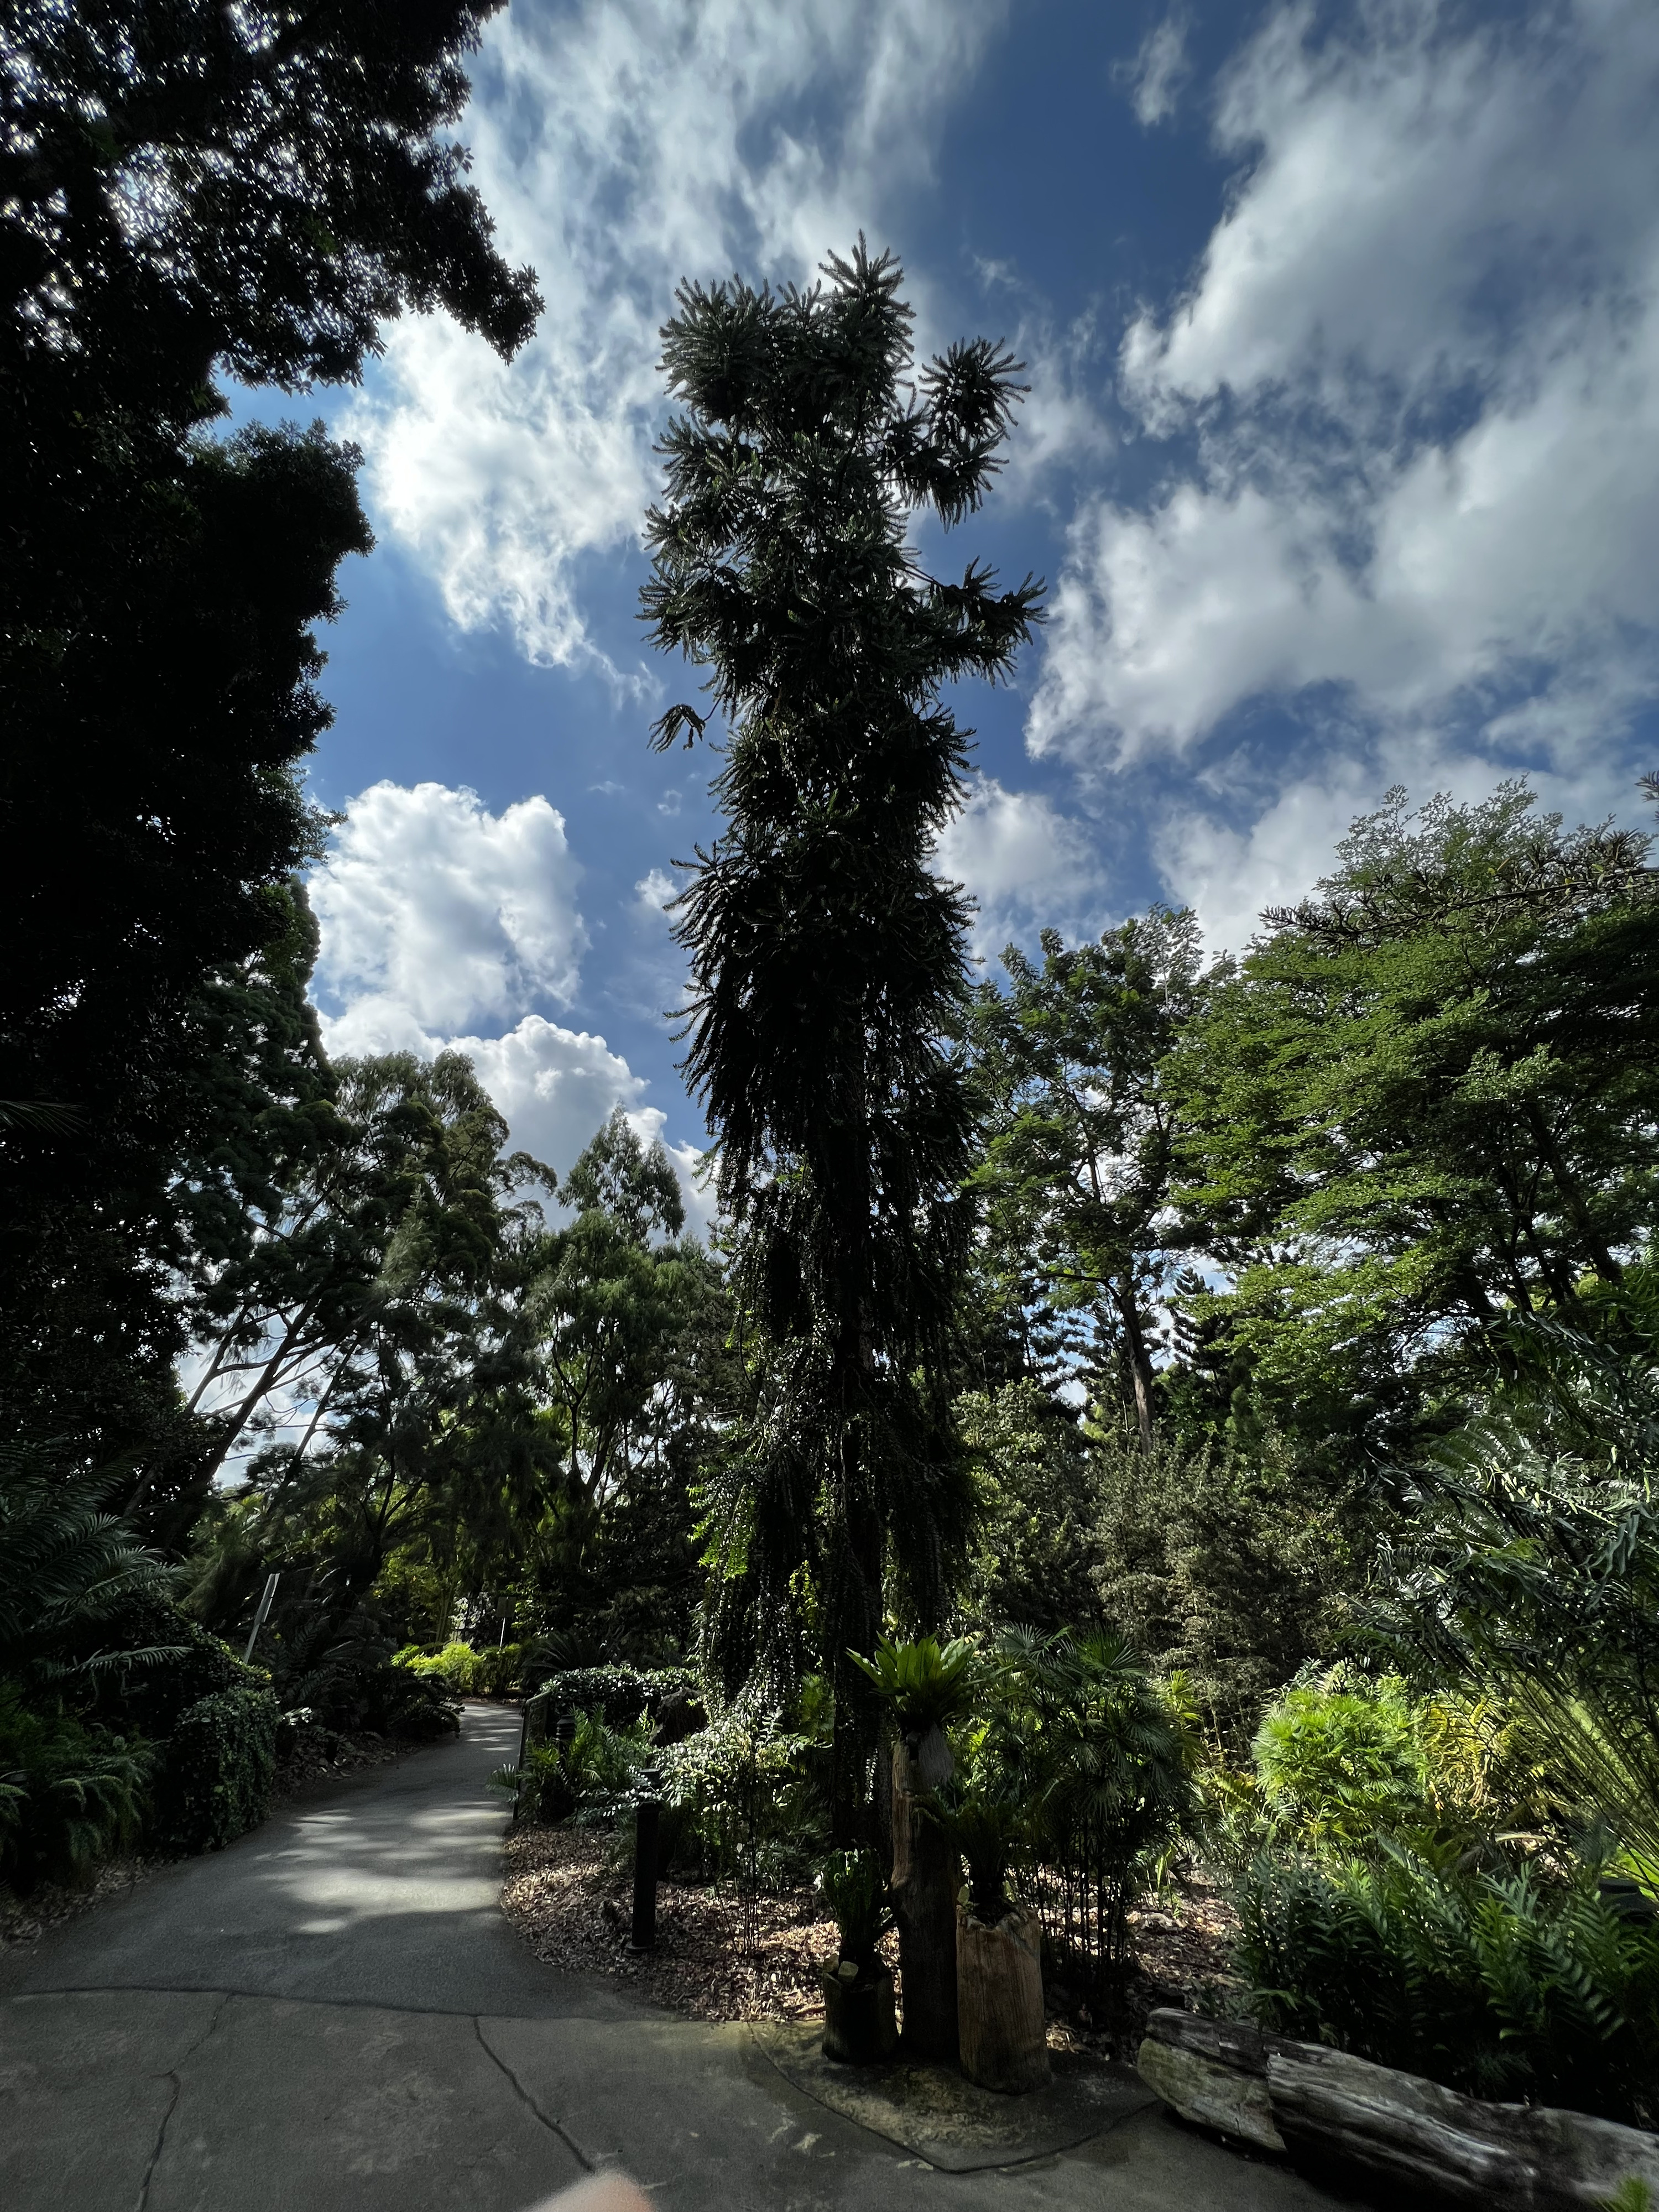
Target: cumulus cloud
(436, 914)
(1412, 401)
(622, 144)
(1021, 860)
(446, 927)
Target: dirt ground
(720, 1956)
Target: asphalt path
(333, 2013)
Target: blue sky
(1340, 459)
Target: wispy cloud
(622, 144)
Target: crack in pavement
(552, 2125)
(175, 2075)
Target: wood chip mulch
(720, 1956)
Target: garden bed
(721, 1956)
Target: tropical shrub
(1337, 1766)
(217, 1768)
(467, 1673)
(853, 1887)
(744, 1797)
(1102, 1759)
(1505, 1985)
(618, 1694)
(69, 1794)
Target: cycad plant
(69, 1791)
(1532, 1577)
(1505, 1986)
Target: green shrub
(1336, 1766)
(337, 1668)
(1093, 1749)
(69, 1794)
(618, 1694)
(852, 1885)
(595, 1774)
(192, 1664)
(745, 1797)
(217, 1770)
(1505, 1986)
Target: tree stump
(1005, 2043)
(924, 1885)
(860, 2027)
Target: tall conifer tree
(828, 958)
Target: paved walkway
(333, 2014)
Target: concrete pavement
(333, 2014)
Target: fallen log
(1280, 2094)
(1530, 2158)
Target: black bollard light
(646, 1808)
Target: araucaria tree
(828, 957)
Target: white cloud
(555, 1086)
(445, 926)
(1160, 70)
(653, 891)
(1021, 860)
(622, 144)
(1418, 383)
(436, 914)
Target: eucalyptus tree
(828, 958)
(1080, 1136)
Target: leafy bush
(852, 1885)
(594, 1775)
(1083, 1738)
(69, 1571)
(1337, 1766)
(1503, 1985)
(69, 1794)
(617, 1694)
(218, 1765)
(467, 1673)
(336, 1666)
(746, 1797)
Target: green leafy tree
(828, 959)
(1426, 1099)
(1080, 1133)
(184, 190)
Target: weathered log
(1211, 2092)
(1000, 2021)
(924, 1890)
(1529, 2158)
(1285, 2094)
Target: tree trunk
(925, 1878)
(1140, 1362)
(1004, 2042)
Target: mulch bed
(721, 1956)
